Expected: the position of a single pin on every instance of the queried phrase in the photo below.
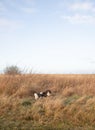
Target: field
(70, 107)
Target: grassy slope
(71, 106)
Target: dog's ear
(33, 92)
(48, 91)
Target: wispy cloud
(90, 60)
(79, 12)
(9, 25)
(82, 6)
(32, 2)
(28, 10)
(79, 18)
(10, 7)
(2, 8)
(26, 6)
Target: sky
(48, 36)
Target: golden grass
(71, 105)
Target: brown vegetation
(71, 105)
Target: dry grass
(71, 106)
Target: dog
(42, 94)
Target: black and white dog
(42, 94)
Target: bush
(12, 70)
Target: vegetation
(71, 106)
(12, 70)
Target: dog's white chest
(36, 96)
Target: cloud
(2, 8)
(28, 10)
(29, 2)
(79, 18)
(90, 60)
(22, 6)
(29, 7)
(11, 14)
(79, 12)
(82, 6)
(9, 25)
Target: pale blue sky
(49, 36)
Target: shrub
(12, 70)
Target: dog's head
(48, 92)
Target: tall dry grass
(65, 85)
(71, 105)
